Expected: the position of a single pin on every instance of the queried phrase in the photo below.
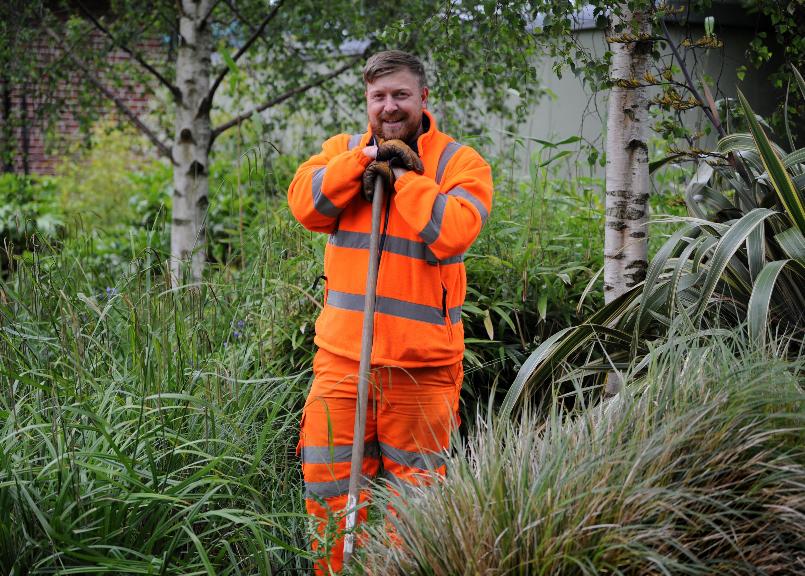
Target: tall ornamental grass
(697, 468)
(148, 429)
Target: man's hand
(374, 171)
(398, 153)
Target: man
(439, 195)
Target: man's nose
(389, 105)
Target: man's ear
(425, 93)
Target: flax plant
(738, 258)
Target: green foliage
(100, 183)
(696, 468)
(29, 214)
(784, 46)
(738, 258)
(526, 272)
(145, 429)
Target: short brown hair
(391, 61)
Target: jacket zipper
(380, 246)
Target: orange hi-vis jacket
(428, 225)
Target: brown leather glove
(374, 171)
(398, 153)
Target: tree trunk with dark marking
(192, 143)
(627, 176)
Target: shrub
(29, 214)
(150, 430)
(696, 468)
(738, 258)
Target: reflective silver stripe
(321, 203)
(448, 152)
(452, 260)
(461, 193)
(455, 314)
(326, 489)
(421, 460)
(345, 300)
(409, 310)
(432, 229)
(333, 454)
(391, 307)
(347, 239)
(354, 140)
(394, 244)
(430, 257)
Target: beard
(400, 127)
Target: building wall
(573, 109)
(37, 150)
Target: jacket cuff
(362, 158)
(405, 179)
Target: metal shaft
(364, 372)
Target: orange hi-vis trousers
(409, 418)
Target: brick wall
(28, 103)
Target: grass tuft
(697, 468)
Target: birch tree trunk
(191, 143)
(627, 177)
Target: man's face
(394, 103)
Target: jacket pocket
(316, 284)
(445, 313)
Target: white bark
(191, 143)
(627, 177)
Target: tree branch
(691, 86)
(733, 158)
(163, 148)
(242, 18)
(281, 98)
(154, 72)
(208, 11)
(255, 35)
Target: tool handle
(364, 372)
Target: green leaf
(756, 251)
(540, 363)
(202, 554)
(655, 267)
(780, 179)
(796, 157)
(758, 310)
(490, 330)
(799, 79)
(542, 306)
(553, 159)
(726, 248)
(542, 352)
(656, 164)
(793, 244)
(230, 63)
(695, 187)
